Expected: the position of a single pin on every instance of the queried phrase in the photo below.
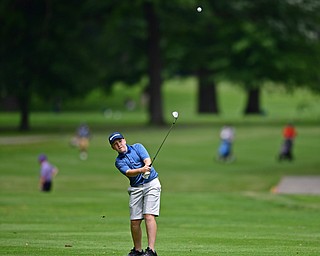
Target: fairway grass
(207, 207)
(206, 223)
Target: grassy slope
(207, 207)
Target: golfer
(134, 162)
(47, 173)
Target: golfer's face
(120, 145)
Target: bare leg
(136, 234)
(151, 227)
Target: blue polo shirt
(133, 159)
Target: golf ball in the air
(175, 114)
(199, 9)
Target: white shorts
(145, 199)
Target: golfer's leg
(136, 234)
(151, 227)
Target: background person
(133, 161)
(81, 140)
(289, 133)
(47, 173)
(226, 138)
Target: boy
(134, 162)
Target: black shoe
(134, 252)
(149, 252)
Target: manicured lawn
(207, 208)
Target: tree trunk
(154, 60)
(253, 101)
(207, 94)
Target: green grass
(207, 208)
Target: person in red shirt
(289, 133)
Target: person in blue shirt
(47, 173)
(134, 162)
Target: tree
(45, 51)
(192, 48)
(54, 49)
(246, 42)
(131, 40)
(275, 41)
(207, 93)
(154, 57)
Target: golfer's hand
(145, 169)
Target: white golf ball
(175, 114)
(199, 9)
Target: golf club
(175, 115)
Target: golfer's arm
(147, 161)
(135, 172)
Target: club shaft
(154, 158)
